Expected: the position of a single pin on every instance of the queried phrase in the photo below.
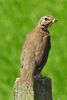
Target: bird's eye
(46, 19)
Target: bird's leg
(37, 76)
(37, 73)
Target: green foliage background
(17, 18)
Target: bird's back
(35, 50)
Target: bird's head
(47, 21)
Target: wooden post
(41, 90)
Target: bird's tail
(27, 75)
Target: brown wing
(42, 52)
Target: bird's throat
(45, 29)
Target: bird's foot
(37, 76)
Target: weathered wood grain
(41, 90)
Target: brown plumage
(36, 49)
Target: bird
(36, 49)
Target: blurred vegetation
(17, 18)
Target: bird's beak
(54, 20)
